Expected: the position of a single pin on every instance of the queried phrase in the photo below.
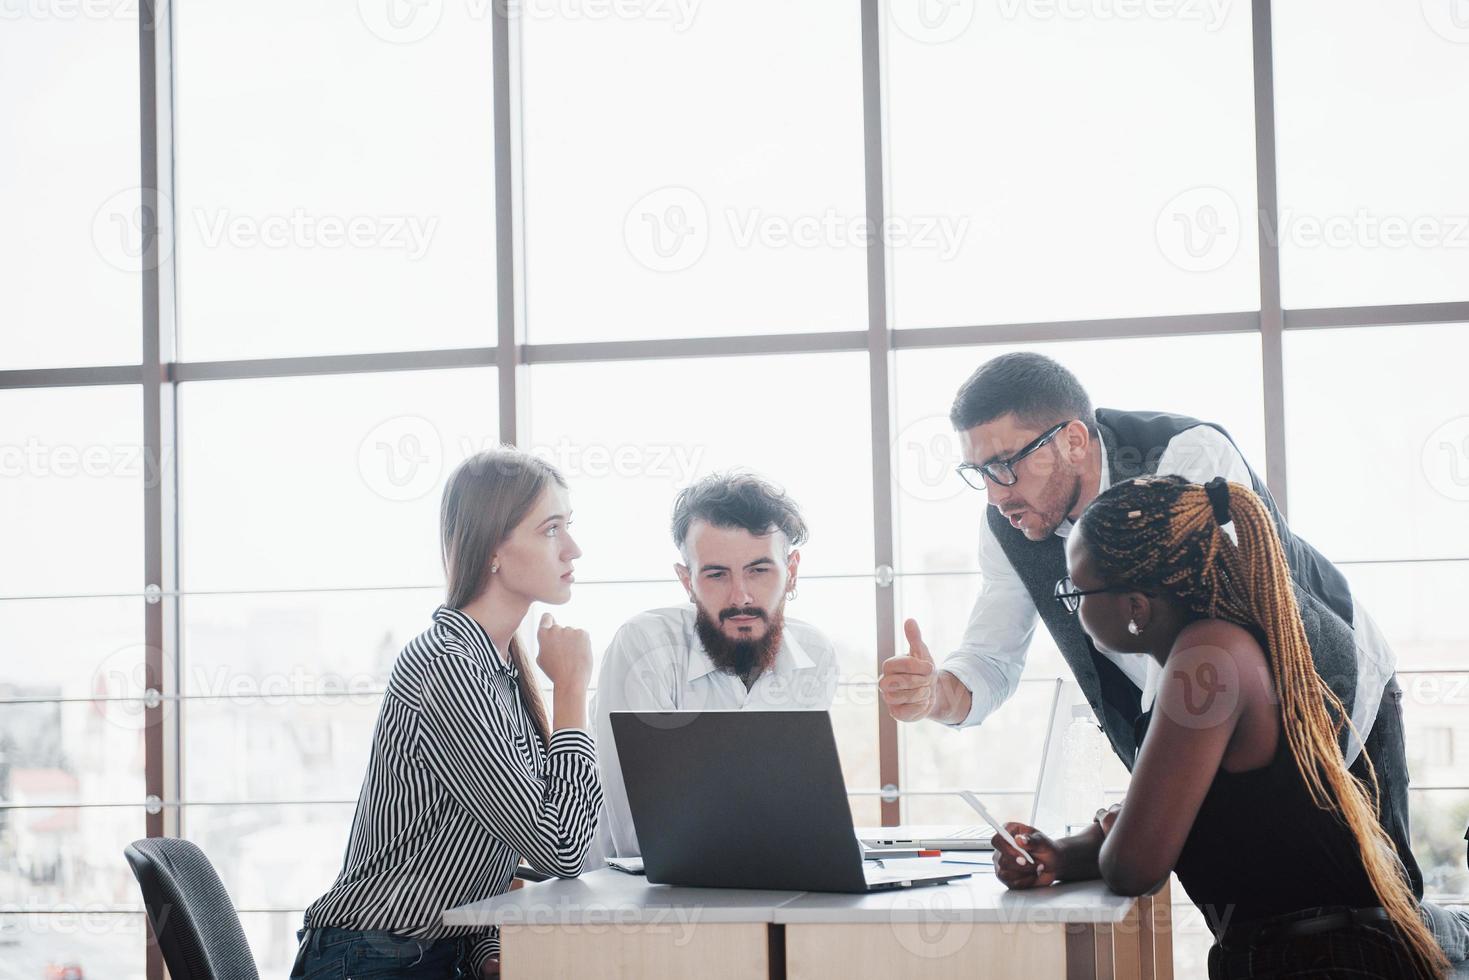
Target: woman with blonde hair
(1240, 784)
(467, 776)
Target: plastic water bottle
(1081, 761)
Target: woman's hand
(1044, 857)
(565, 654)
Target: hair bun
(1218, 491)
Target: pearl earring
(1132, 627)
(494, 567)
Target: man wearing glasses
(1034, 446)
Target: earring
(791, 595)
(494, 567)
(1132, 627)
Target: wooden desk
(609, 924)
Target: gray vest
(1135, 441)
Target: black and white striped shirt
(458, 789)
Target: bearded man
(731, 647)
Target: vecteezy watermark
(1449, 19)
(1209, 13)
(1199, 230)
(925, 453)
(1446, 459)
(401, 458)
(123, 228)
(669, 230)
(124, 691)
(409, 233)
(1365, 229)
(68, 10)
(928, 924)
(410, 21)
(38, 459)
(932, 21)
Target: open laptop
(748, 799)
(974, 836)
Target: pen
(1005, 835)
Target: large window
(392, 235)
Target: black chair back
(193, 919)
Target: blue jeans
(352, 954)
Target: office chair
(193, 919)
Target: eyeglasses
(1069, 595)
(1002, 471)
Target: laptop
(749, 799)
(966, 837)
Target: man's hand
(909, 684)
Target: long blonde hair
(487, 496)
(1161, 532)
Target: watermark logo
(1200, 229)
(932, 21)
(401, 459)
(925, 453)
(928, 926)
(123, 226)
(667, 230)
(1446, 459)
(1210, 13)
(401, 21)
(1207, 685)
(1449, 19)
(410, 234)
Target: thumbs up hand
(909, 684)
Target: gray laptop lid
(739, 799)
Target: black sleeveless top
(1260, 847)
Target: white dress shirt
(991, 655)
(656, 662)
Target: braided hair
(1166, 535)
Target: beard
(745, 659)
(1054, 502)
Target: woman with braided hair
(1240, 784)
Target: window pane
(1381, 470)
(630, 435)
(273, 646)
(336, 178)
(1038, 138)
(106, 946)
(272, 856)
(729, 203)
(324, 482)
(1376, 220)
(1439, 817)
(66, 858)
(311, 747)
(1408, 601)
(69, 186)
(1214, 378)
(72, 752)
(72, 470)
(272, 938)
(99, 653)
